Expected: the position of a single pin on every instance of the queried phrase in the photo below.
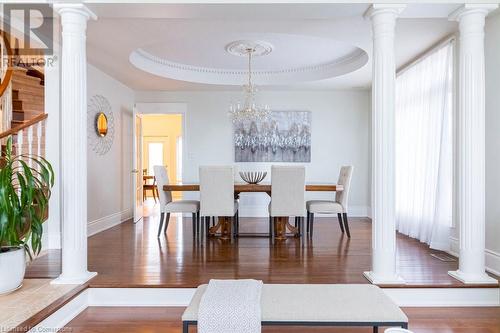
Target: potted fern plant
(25, 184)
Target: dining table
(281, 223)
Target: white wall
(492, 53)
(109, 176)
(340, 136)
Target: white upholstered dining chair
(217, 194)
(337, 206)
(288, 185)
(168, 206)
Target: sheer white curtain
(424, 148)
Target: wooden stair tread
(34, 90)
(25, 75)
(16, 94)
(23, 82)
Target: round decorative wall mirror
(102, 124)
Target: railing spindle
(30, 145)
(39, 130)
(20, 138)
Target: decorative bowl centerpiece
(252, 177)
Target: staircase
(22, 108)
(27, 95)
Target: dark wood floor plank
(131, 255)
(167, 320)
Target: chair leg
(207, 225)
(154, 194)
(166, 223)
(194, 224)
(233, 225)
(346, 225)
(308, 223)
(339, 216)
(198, 222)
(270, 227)
(162, 216)
(237, 223)
(300, 222)
(311, 227)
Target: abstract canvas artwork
(284, 137)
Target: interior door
(137, 169)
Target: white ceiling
(302, 35)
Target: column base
(377, 279)
(473, 278)
(81, 279)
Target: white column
(74, 19)
(383, 18)
(471, 145)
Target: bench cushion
(360, 303)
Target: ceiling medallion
(240, 48)
(249, 110)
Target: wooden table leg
(293, 230)
(224, 224)
(225, 228)
(213, 230)
(281, 225)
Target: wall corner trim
(106, 222)
(492, 258)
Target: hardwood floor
(130, 255)
(168, 320)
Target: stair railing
(28, 137)
(6, 72)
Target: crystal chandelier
(249, 109)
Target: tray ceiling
(317, 46)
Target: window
(155, 156)
(178, 158)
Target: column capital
(377, 8)
(75, 8)
(466, 9)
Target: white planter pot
(12, 268)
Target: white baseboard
(106, 222)
(354, 211)
(492, 262)
(247, 210)
(140, 296)
(165, 297)
(64, 315)
(434, 297)
(492, 258)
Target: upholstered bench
(318, 305)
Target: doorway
(162, 145)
